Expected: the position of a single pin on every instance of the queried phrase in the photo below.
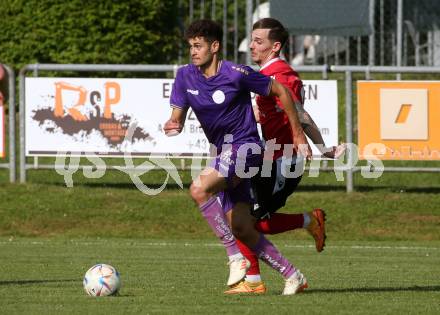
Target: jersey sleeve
(178, 97)
(295, 87)
(254, 81)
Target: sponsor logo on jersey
(240, 70)
(193, 92)
(218, 97)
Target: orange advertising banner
(399, 120)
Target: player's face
(262, 48)
(201, 51)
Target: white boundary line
(138, 243)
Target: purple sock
(213, 213)
(268, 253)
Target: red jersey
(274, 122)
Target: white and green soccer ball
(102, 280)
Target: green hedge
(94, 31)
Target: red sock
(250, 255)
(279, 223)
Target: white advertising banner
(2, 132)
(84, 116)
(321, 102)
(92, 116)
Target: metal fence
(397, 37)
(395, 40)
(324, 71)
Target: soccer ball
(101, 280)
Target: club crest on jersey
(218, 97)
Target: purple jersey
(222, 103)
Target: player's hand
(172, 128)
(256, 113)
(336, 152)
(302, 146)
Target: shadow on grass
(174, 186)
(170, 186)
(364, 188)
(129, 186)
(428, 190)
(311, 188)
(27, 282)
(415, 288)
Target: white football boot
(237, 270)
(295, 284)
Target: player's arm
(295, 87)
(256, 113)
(309, 126)
(174, 125)
(278, 90)
(311, 129)
(179, 105)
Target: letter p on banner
(111, 98)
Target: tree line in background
(107, 32)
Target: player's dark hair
(211, 31)
(277, 31)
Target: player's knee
(240, 229)
(198, 193)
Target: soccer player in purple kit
(218, 91)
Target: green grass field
(382, 254)
(188, 277)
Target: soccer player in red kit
(268, 37)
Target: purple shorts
(235, 162)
